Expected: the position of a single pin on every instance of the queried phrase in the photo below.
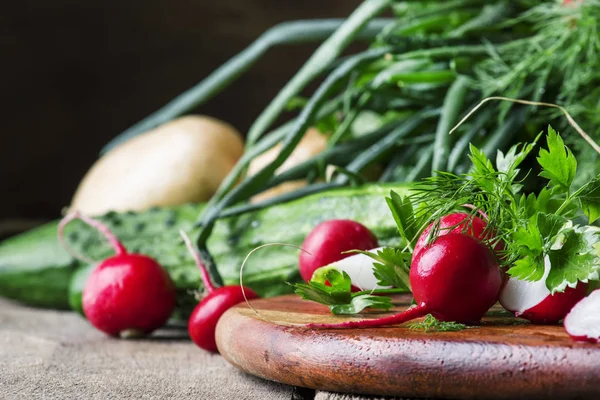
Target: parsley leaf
(508, 164)
(558, 162)
(590, 199)
(482, 170)
(360, 302)
(391, 267)
(574, 256)
(529, 246)
(533, 242)
(431, 324)
(403, 213)
(339, 296)
(338, 293)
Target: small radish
(533, 301)
(360, 269)
(203, 321)
(327, 242)
(458, 222)
(583, 321)
(126, 295)
(456, 278)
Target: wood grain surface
(503, 358)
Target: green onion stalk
(394, 103)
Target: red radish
(456, 278)
(328, 240)
(360, 269)
(533, 301)
(203, 321)
(583, 321)
(127, 295)
(458, 222)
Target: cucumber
(35, 269)
(155, 233)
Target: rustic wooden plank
(517, 360)
(52, 354)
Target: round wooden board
(501, 359)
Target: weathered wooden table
(56, 354)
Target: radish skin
(457, 223)
(328, 242)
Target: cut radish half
(583, 321)
(360, 269)
(533, 301)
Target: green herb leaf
(391, 267)
(558, 163)
(403, 213)
(339, 296)
(508, 165)
(532, 243)
(590, 199)
(431, 324)
(338, 293)
(574, 256)
(360, 302)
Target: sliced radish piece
(360, 269)
(583, 321)
(534, 302)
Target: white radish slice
(360, 269)
(519, 296)
(583, 321)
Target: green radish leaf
(391, 267)
(590, 199)
(558, 162)
(403, 213)
(574, 256)
(360, 302)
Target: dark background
(76, 73)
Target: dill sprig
(431, 324)
(557, 63)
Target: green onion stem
(287, 33)
(386, 143)
(316, 64)
(453, 105)
(252, 184)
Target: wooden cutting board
(504, 358)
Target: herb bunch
(546, 235)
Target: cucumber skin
(155, 233)
(34, 268)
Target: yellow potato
(181, 161)
(311, 144)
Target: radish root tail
(203, 271)
(396, 319)
(242, 276)
(99, 226)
